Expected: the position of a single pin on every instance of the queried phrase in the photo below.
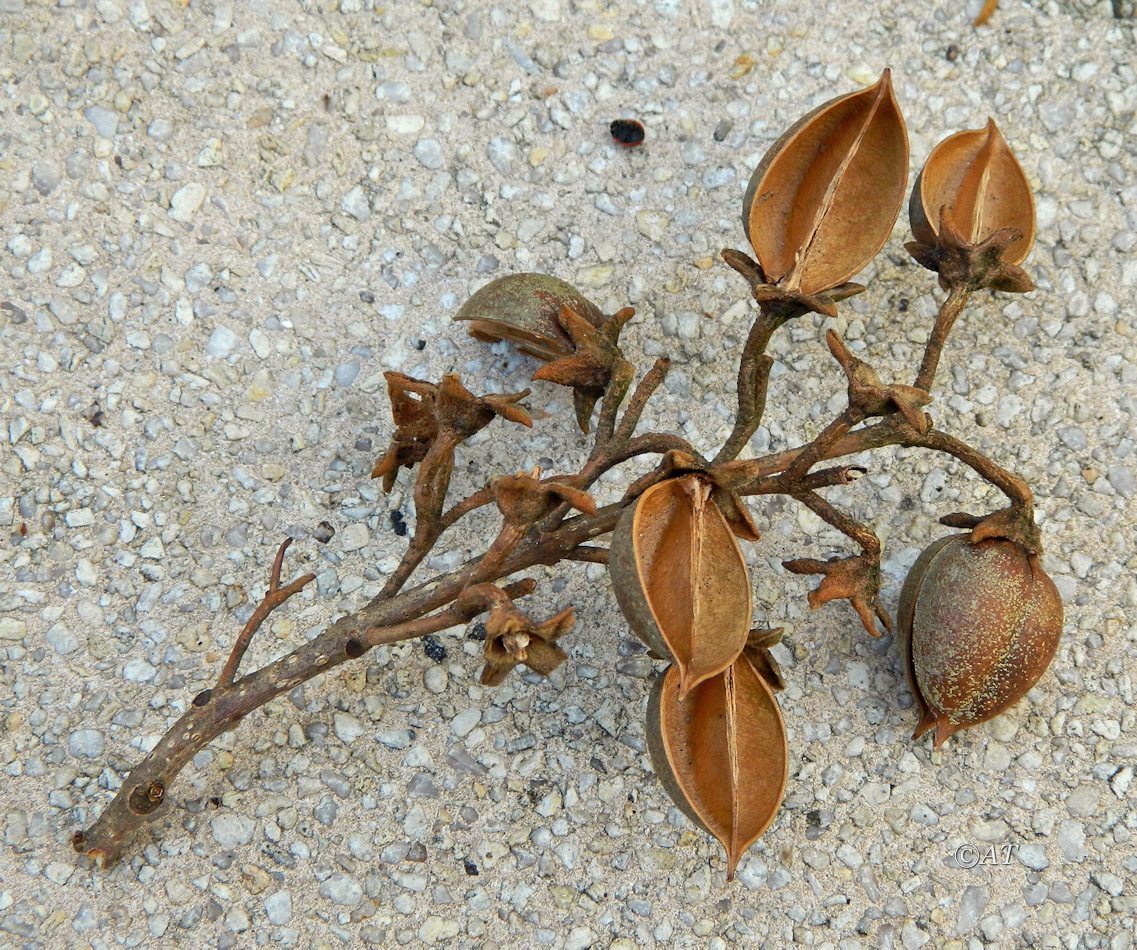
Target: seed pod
(979, 625)
(720, 753)
(975, 176)
(680, 579)
(524, 309)
(826, 195)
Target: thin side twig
(645, 389)
(588, 553)
(949, 312)
(753, 379)
(273, 598)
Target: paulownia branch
(949, 312)
(274, 597)
(393, 617)
(855, 579)
(387, 620)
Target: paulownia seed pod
(974, 176)
(720, 753)
(824, 198)
(979, 625)
(524, 309)
(680, 578)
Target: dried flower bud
(979, 624)
(525, 309)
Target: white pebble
(232, 831)
(103, 119)
(86, 742)
(463, 724)
(221, 342)
(185, 202)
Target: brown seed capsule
(979, 625)
(975, 176)
(525, 309)
(720, 753)
(824, 198)
(680, 578)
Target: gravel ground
(221, 222)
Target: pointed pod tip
(927, 721)
(944, 731)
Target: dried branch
(691, 512)
(273, 598)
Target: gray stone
(1071, 840)
(46, 176)
(221, 342)
(1033, 856)
(232, 830)
(278, 907)
(88, 743)
(104, 120)
(348, 728)
(342, 889)
(429, 153)
(1083, 801)
(185, 202)
(355, 536)
(62, 640)
(971, 906)
(356, 203)
(463, 724)
(160, 129)
(502, 154)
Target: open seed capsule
(680, 579)
(720, 753)
(524, 309)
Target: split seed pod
(524, 309)
(976, 179)
(720, 753)
(680, 578)
(979, 625)
(826, 195)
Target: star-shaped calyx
(872, 397)
(773, 294)
(525, 499)
(428, 413)
(725, 478)
(961, 263)
(855, 579)
(1014, 523)
(593, 364)
(512, 638)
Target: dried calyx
(978, 618)
(553, 321)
